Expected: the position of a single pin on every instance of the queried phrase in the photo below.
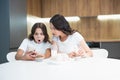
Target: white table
(82, 69)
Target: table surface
(82, 69)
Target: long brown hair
(60, 23)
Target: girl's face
(38, 35)
(54, 31)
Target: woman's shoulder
(76, 34)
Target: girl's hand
(40, 56)
(30, 55)
(33, 54)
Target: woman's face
(38, 35)
(54, 31)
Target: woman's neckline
(64, 38)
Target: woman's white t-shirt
(70, 44)
(28, 45)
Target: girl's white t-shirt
(28, 45)
(70, 44)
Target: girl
(36, 45)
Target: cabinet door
(109, 30)
(18, 22)
(34, 7)
(70, 7)
(93, 8)
(106, 7)
(89, 28)
(116, 7)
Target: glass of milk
(54, 50)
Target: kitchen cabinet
(82, 8)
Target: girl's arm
(27, 56)
(46, 55)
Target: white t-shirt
(70, 44)
(31, 45)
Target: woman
(36, 45)
(68, 40)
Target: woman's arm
(84, 50)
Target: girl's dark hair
(60, 23)
(43, 28)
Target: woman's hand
(80, 52)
